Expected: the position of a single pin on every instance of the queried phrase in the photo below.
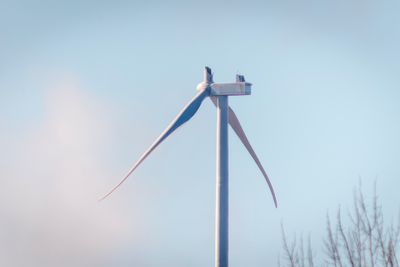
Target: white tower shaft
(222, 185)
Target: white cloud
(53, 176)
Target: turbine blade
(185, 115)
(235, 124)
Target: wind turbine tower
(218, 93)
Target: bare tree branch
(365, 242)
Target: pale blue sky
(85, 87)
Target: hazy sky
(86, 87)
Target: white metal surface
(238, 88)
(222, 185)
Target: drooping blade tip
(237, 128)
(186, 114)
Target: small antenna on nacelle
(208, 77)
(239, 78)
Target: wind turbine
(218, 93)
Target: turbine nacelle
(240, 87)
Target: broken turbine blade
(237, 128)
(186, 114)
